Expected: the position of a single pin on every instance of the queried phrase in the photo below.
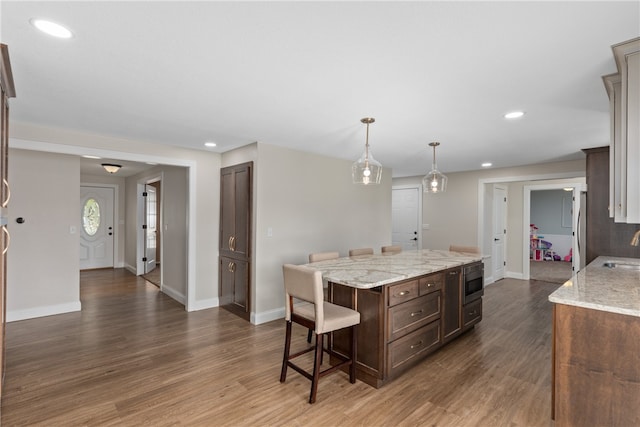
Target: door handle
(415, 238)
(496, 240)
(232, 267)
(8, 241)
(6, 201)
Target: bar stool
(391, 248)
(316, 257)
(323, 256)
(305, 284)
(361, 251)
(467, 249)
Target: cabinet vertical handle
(232, 243)
(232, 267)
(6, 233)
(6, 184)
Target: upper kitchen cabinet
(623, 89)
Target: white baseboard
(205, 304)
(132, 269)
(513, 275)
(488, 280)
(172, 293)
(267, 316)
(50, 310)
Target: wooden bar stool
(361, 251)
(323, 256)
(305, 284)
(466, 249)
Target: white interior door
(96, 231)
(499, 231)
(150, 228)
(405, 217)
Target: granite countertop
(370, 271)
(616, 290)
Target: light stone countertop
(616, 290)
(370, 271)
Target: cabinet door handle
(232, 243)
(416, 345)
(430, 285)
(416, 313)
(8, 242)
(403, 293)
(232, 267)
(6, 184)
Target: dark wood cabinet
(403, 322)
(8, 91)
(452, 305)
(596, 367)
(604, 236)
(234, 277)
(236, 184)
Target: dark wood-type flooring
(133, 356)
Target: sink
(624, 265)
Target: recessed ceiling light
(487, 164)
(51, 28)
(514, 115)
(210, 144)
(89, 156)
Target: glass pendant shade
(366, 170)
(435, 181)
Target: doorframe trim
(116, 219)
(49, 147)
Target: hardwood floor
(133, 356)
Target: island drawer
(413, 314)
(472, 313)
(405, 350)
(431, 283)
(403, 292)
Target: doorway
(150, 202)
(406, 214)
(96, 227)
(568, 215)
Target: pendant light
(366, 170)
(435, 181)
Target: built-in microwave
(473, 276)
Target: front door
(405, 217)
(97, 229)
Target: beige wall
(453, 216)
(43, 260)
(203, 193)
(310, 205)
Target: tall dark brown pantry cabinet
(8, 91)
(236, 192)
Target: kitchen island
(596, 345)
(410, 303)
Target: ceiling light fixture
(434, 181)
(210, 144)
(486, 164)
(51, 28)
(111, 168)
(90, 156)
(366, 170)
(514, 115)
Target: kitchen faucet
(635, 239)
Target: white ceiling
(303, 74)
